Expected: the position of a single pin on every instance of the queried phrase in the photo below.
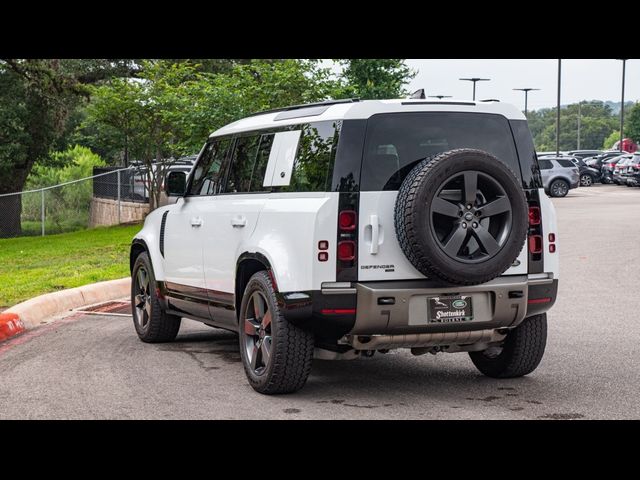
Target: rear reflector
(338, 311)
(534, 216)
(347, 250)
(347, 220)
(323, 256)
(535, 243)
(323, 245)
(539, 300)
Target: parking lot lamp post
(624, 64)
(558, 108)
(526, 97)
(475, 80)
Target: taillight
(347, 220)
(535, 244)
(347, 250)
(346, 245)
(534, 216)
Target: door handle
(238, 221)
(196, 222)
(375, 234)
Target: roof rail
(324, 103)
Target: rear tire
(559, 188)
(520, 353)
(152, 323)
(275, 353)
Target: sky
(581, 79)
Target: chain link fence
(111, 196)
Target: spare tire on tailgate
(461, 216)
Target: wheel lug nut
(469, 207)
(464, 225)
(478, 213)
(475, 225)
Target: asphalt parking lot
(93, 366)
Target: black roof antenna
(418, 94)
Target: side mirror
(176, 184)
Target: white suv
(343, 228)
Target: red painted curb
(10, 326)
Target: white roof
(366, 108)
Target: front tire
(586, 180)
(519, 355)
(276, 354)
(152, 323)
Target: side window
(208, 176)
(313, 165)
(242, 163)
(566, 163)
(545, 164)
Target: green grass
(31, 266)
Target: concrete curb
(31, 313)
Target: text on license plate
(450, 309)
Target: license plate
(450, 309)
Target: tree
(171, 109)
(632, 123)
(596, 121)
(611, 140)
(378, 78)
(36, 99)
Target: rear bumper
(400, 307)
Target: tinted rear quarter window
(312, 167)
(396, 142)
(526, 153)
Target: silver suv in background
(559, 175)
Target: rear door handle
(238, 221)
(196, 222)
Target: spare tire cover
(461, 216)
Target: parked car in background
(598, 160)
(549, 154)
(588, 175)
(583, 153)
(559, 175)
(141, 182)
(608, 167)
(633, 171)
(620, 168)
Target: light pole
(624, 64)
(439, 97)
(526, 96)
(558, 108)
(475, 80)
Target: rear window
(396, 142)
(566, 163)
